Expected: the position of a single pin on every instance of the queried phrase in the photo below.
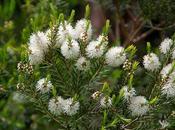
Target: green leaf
(123, 119)
(134, 65)
(23, 56)
(53, 10)
(116, 74)
(153, 101)
(148, 47)
(104, 117)
(113, 98)
(103, 128)
(113, 123)
(106, 28)
(106, 89)
(130, 80)
(87, 12)
(61, 18)
(10, 82)
(20, 78)
(131, 50)
(71, 18)
(54, 91)
(119, 97)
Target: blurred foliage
(18, 19)
(158, 10)
(7, 9)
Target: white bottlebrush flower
(70, 49)
(38, 45)
(166, 71)
(80, 29)
(64, 31)
(128, 93)
(151, 62)
(164, 124)
(115, 56)
(168, 89)
(165, 45)
(48, 34)
(138, 106)
(82, 63)
(19, 97)
(106, 102)
(55, 105)
(40, 40)
(43, 85)
(36, 56)
(70, 107)
(95, 49)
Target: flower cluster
(58, 105)
(128, 93)
(115, 56)
(106, 102)
(77, 64)
(38, 46)
(22, 67)
(75, 44)
(166, 45)
(43, 85)
(168, 74)
(138, 106)
(152, 63)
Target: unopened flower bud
(96, 95)
(84, 37)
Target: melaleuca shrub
(66, 77)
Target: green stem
(96, 73)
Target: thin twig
(96, 73)
(130, 123)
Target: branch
(130, 14)
(50, 115)
(121, 20)
(159, 28)
(143, 35)
(123, 127)
(97, 72)
(136, 32)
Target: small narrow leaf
(54, 91)
(104, 117)
(106, 89)
(123, 119)
(153, 101)
(148, 47)
(71, 18)
(106, 27)
(87, 12)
